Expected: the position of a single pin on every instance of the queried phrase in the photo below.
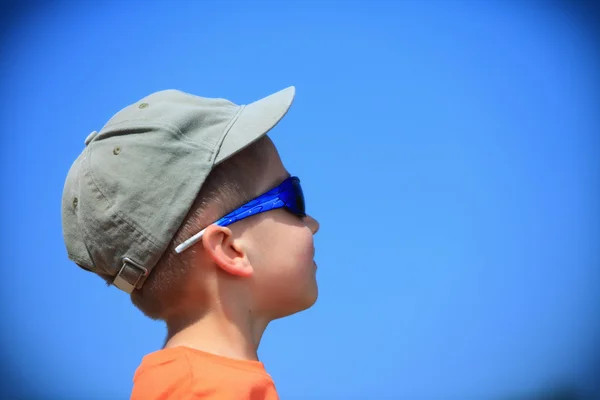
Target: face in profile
(280, 247)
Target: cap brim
(255, 121)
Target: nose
(312, 224)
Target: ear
(225, 252)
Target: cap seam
(93, 267)
(160, 123)
(225, 132)
(84, 231)
(133, 225)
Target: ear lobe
(219, 244)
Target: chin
(300, 305)
(310, 300)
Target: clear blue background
(450, 150)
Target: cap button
(90, 137)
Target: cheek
(286, 254)
(284, 278)
(296, 250)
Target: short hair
(228, 186)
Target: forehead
(275, 172)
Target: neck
(229, 334)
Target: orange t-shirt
(185, 373)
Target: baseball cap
(129, 190)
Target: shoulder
(165, 373)
(180, 373)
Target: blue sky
(448, 148)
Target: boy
(183, 202)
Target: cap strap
(131, 276)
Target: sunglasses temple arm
(190, 242)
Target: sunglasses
(288, 195)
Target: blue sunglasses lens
(295, 200)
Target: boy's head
(170, 166)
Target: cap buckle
(130, 276)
